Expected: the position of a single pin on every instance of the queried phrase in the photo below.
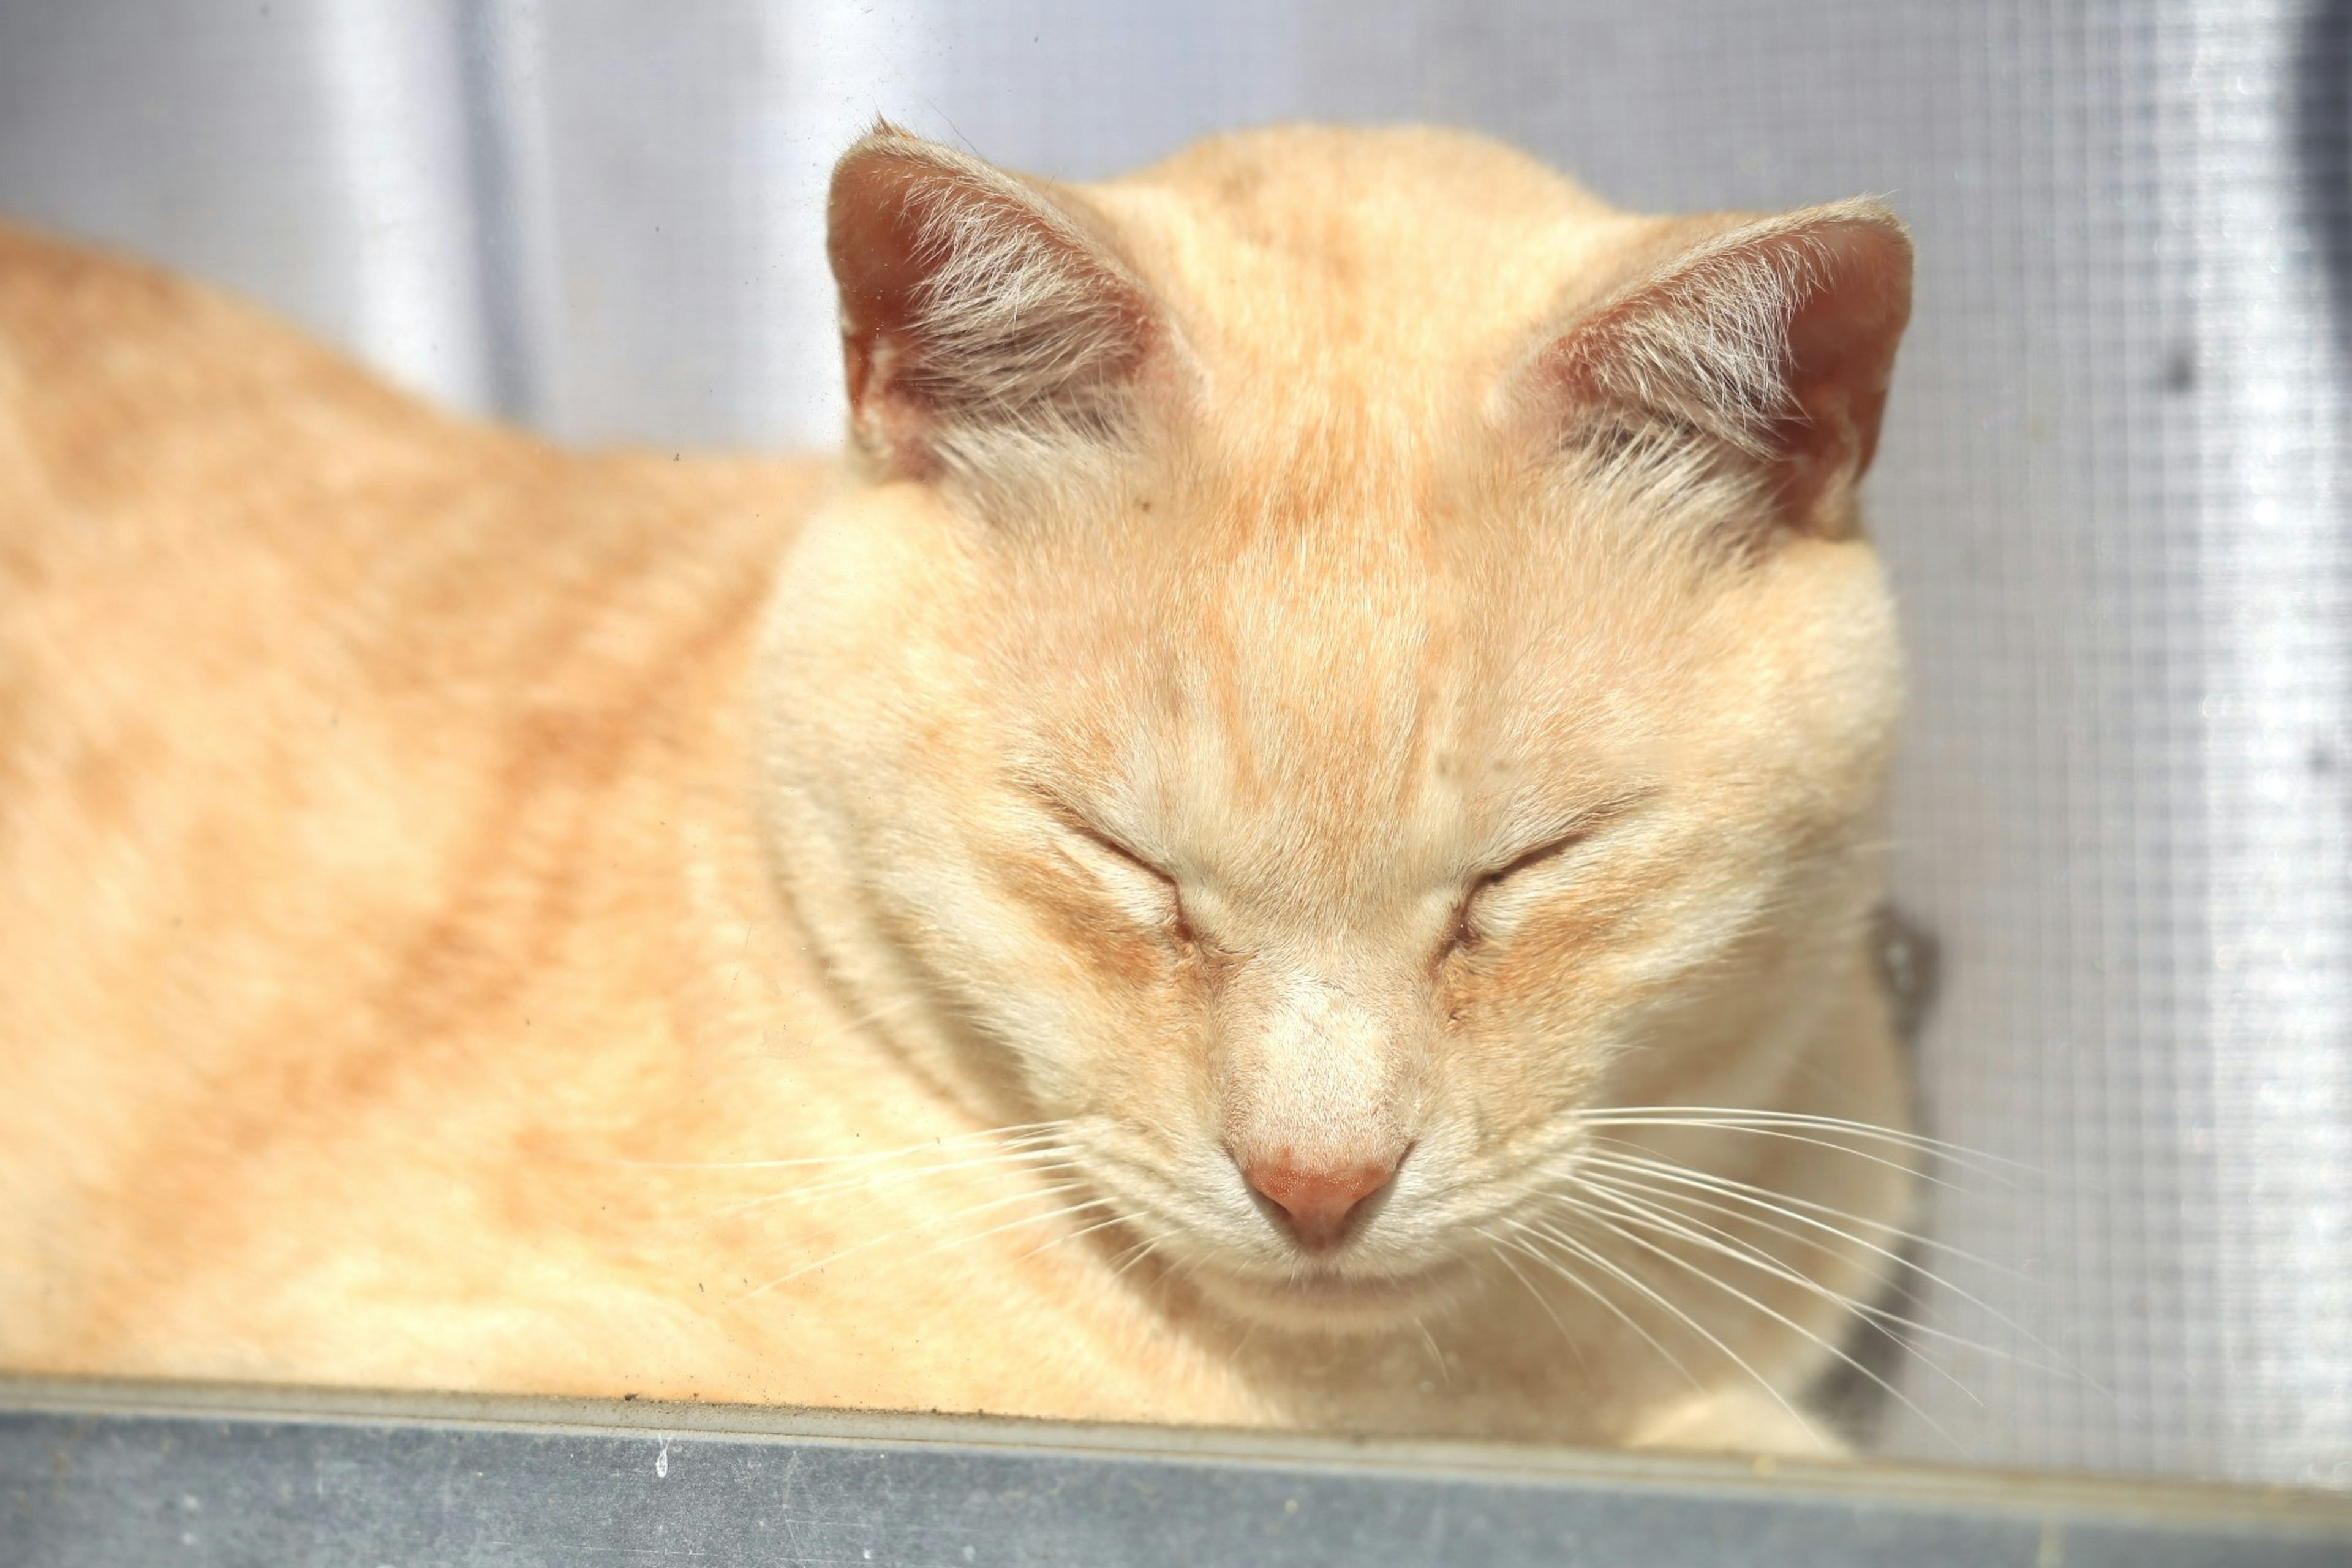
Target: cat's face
(1319, 787)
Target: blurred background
(2112, 492)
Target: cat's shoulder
(57, 294)
(95, 345)
(39, 269)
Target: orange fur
(423, 852)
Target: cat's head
(1343, 653)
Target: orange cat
(1289, 842)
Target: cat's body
(427, 858)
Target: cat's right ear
(1759, 351)
(983, 320)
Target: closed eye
(1112, 847)
(1551, 849)
(1137, 868)
(1085, 827)
(1466, 931)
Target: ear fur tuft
(1774, 340)
(980, 315)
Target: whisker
(1661, 1193)
(1581, 1283)
(1748, 1298)
(962, 1240)
(1021, 1132)
(1642, 1212)
(1120, 1218)
(1045, 1158)
(924, 1224)
(1141, 1250)
(1787, 1207)
(1503, 1257)
(1593, 1256)
(1766, 1197)
(1734, 1118)
(1192, 1266)
(839, 1217)
(1444, 1373)
(1912, 1171)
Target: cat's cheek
(1535, 1004)
(1499, 1085)
(1530, 947)
(1463, 979)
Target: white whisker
(1748, 1192)
(1502, 1256)
(924, 1224)
(1641, 1212)
(1736, 1118)
(1020, 1133)
(1911, 1171)
(1561, 1238)
(1878, 1314)
(1581, 1283)
(1788, 1207)
(1141, 1250)
(1058, 1208)
(1429, 1340)
(1045, 1158)
(1116, 1219)
(1783, 1318)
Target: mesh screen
(2112, 492)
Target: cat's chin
(1330, 1303)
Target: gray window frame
(127, 1475)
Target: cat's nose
(1320, 1197)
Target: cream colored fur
(1337, 645)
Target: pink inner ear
(1842, 337)
(879, 237)
(1779, 344)
(970, 299)
(875, 220)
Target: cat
(1285, 839)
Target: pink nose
(1319, 1198)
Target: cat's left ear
(986, 319)
(1771, 343)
